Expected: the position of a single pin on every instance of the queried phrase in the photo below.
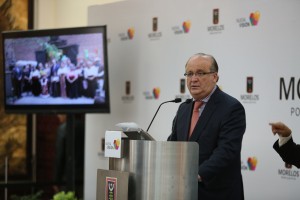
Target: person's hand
(199, 179)
(280, 129)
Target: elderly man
(217, 122)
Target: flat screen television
(56, 71)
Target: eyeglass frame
(197, 74)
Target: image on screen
(58, 70)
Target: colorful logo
(252, 162)
(130, 33)
(152, 94)
(117, 144)
(156, 92)
(254, 18)
(186, 25)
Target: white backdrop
(152, 59)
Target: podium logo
(252, 162)
(186, 25)
(254, 18)
(117, 144)
(111, 188)
(130, 33)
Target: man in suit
(288, 150)
(219, 131)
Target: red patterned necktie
(195, 116)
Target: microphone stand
(177, 100)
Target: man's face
(200, 85)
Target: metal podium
(159, 170)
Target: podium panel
(159, 170)
(112, 185)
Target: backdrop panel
(253, 41)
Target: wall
(266, 51)
(63, 13)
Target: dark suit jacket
(289, 152)
(219, 133)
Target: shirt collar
(205, 100)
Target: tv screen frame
(68, 56)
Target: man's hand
(199, 179)
(280, 129)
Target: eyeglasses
(197, 74)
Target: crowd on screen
(60, 78)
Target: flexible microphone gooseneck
(187, 101)
(177, 100)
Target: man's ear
(216, 77)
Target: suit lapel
(209, 109)
(186, 126)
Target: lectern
(156, 170)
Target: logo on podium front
(111, 188)
(113, 144)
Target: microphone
(177, 100)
